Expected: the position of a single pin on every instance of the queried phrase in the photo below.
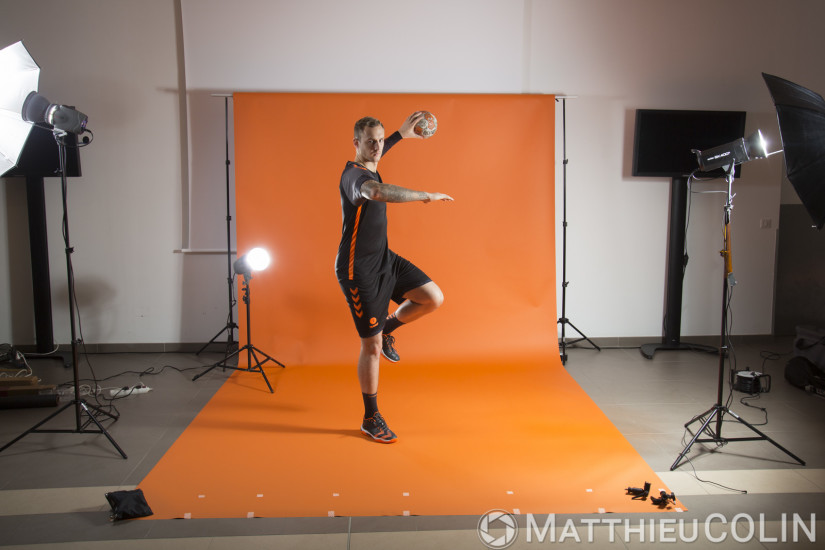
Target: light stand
(81, 407)
(718, 410)
(251, 351)
(230, 323)
(563, 321)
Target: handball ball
(426, 126)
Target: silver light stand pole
(719, 410)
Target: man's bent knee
(426, 295)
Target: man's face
(370, 145)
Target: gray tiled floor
(52, 485)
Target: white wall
(118, 63)
(153, 184)
(620, 56)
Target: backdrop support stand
(81, 407)
(231, 326)
(719, 410)
(563, 320)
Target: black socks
(391, 324)
(370, 404)
(371, 400)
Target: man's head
(368, 140)
(364, 123)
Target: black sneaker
(376, 427)
(387, 348)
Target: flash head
(37, 108)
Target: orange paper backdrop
(491, 251)
(484, 370)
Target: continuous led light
(256, 259)
(736, 152)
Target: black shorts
(369, 297)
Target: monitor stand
(676, 263)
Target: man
(370, 274)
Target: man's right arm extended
(385, 192)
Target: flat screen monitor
(40, 158)
(664, 139)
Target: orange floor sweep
(520, 437)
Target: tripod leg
(713, 412)
(101, 428)
(206, 345)
(763, 436)
(564, 343)
(583, 337)
(204, 372)
(85, 407)
(269, 358)
(701, 417)
(33, 429)
(221, 363)
(258, 367)
(255, 364)
(101, 411)
(229, 339)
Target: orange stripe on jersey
(352, 243)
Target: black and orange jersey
(363, 249)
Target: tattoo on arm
(385, 192)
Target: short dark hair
(366, 122)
